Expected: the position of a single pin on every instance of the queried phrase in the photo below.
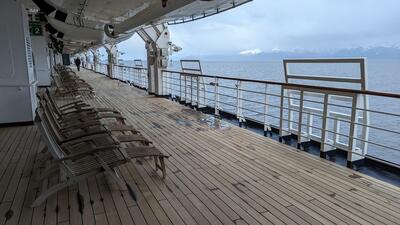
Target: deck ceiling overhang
(97, 22)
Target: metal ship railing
(337, 118)
(101, 68)
(135, 75)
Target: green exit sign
(35, 28)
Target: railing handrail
(324, 60)
(133, 67)
(292, 85)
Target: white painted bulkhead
(18, 83)
(42, 60)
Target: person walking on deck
(78, 63)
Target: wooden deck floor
(217, 174)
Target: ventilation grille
(29, 51)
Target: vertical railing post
(239, 102)
(353, 132)
(324, 132)
(180, 87)
(168, 84)
(137, 77)
(336, 128)
(309, 124)
(203, 84)
(198, 92)
(365, 122)
(191, 90)
(267, 127)
(131, 75)
(163, 83)
(300, 121)
(185, 88)
(281, 131)
(290, 113)
(216, 98)
(124, 77)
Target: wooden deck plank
(24, 179)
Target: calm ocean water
(383, 75)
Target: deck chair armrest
(70, 104)
(79, 117)
(143, 151)
(75, 106)
(87, 152)
(126, 138)
(70, 122)
(79, 110)
(97, 116)
(81, 125)
(77, 137)
(121, 128)
(112, 116)
(83, 139)
(107, 110)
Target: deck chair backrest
(52, 145)
(53, 112)
(52, 103)
(57, 81)
(47, 136)
(48, 118)
(73, 168)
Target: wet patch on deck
(180, 121)
(213, 123)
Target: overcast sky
(273, 25)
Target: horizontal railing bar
(324, 60)
(377, 144)
(131, 67)
(323, 78)
(379, 112)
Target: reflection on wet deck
(217, 174)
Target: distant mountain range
(257, 55)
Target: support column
(112, 52)
(96, 58)
(18, 85)
(157, 40)
(88, 61)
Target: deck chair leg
(49, 192)
(163, 167)
(49, 171)
(115, 176)
(156, 163)
(44, 150)
(54, 189)
(46, 157)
